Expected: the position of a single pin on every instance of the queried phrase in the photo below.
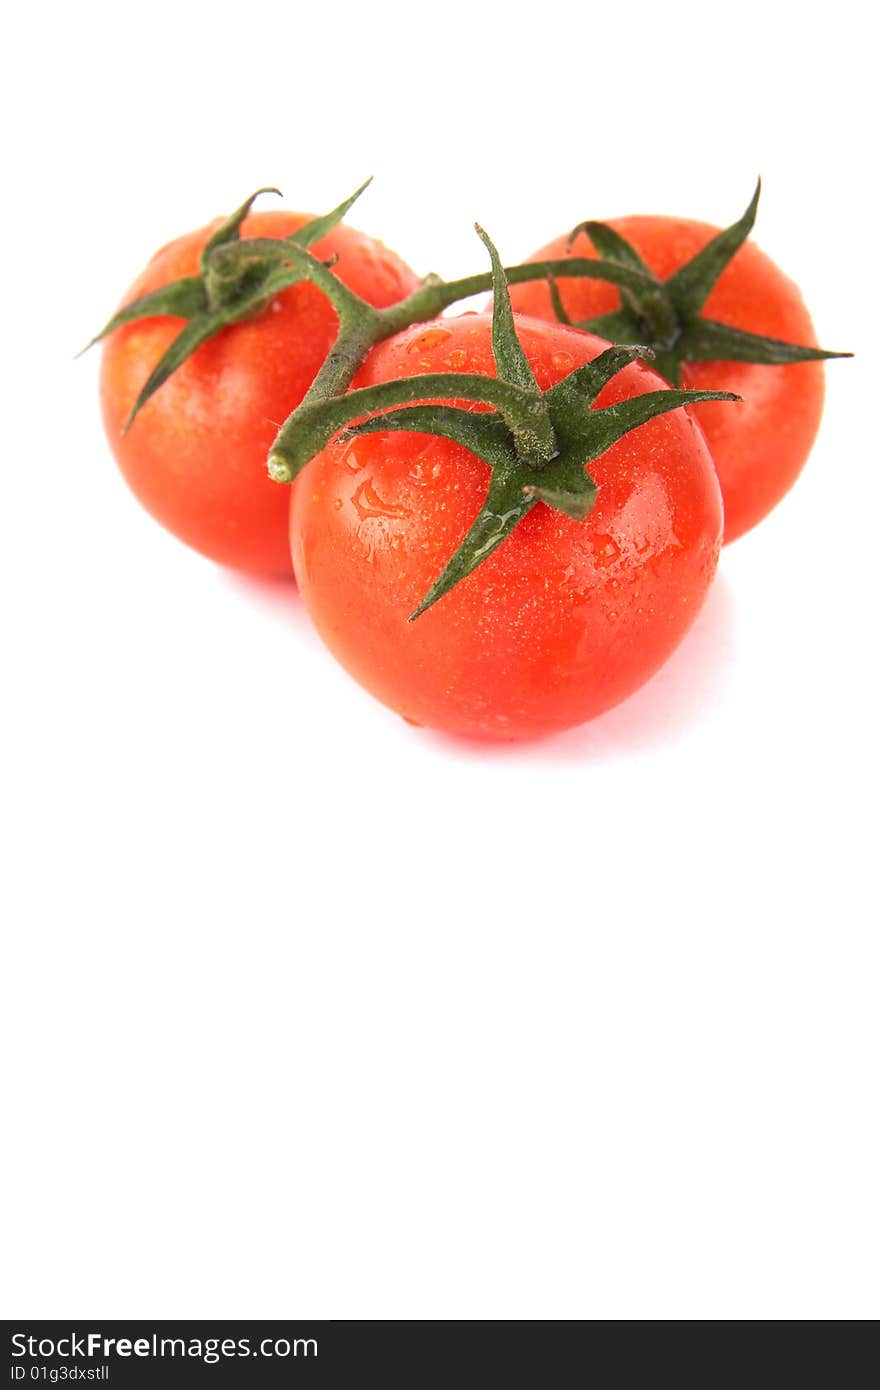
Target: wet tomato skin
(565, 618)
(759, 449)
(195, 456)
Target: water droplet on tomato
(606, 549)
(352, 459)
(562, 361)
(368, 503)
(431, 338)
(456, 359)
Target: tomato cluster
(503, 526)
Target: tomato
(565, 618)
(195, 456)
(760, 448)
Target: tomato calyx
(666, 314)
(236, 280)
(536, 443)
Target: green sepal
(485, 435)
(587, 381)
(243, 276)
(230, 230)
(575, 499)
(239, 275)
(181, 299)
(561, 482)
(611, 246)
(537, 443)
(645, 302)
(257, 280)
(196, 332)
(237, 279)
(667, 315)
(691, 285)
(315, 422)
(312, 231)
(504, 508)
(614, 421)
(559, 308)
(507, 500)
(704, 340)
(618, 326)
(622, 325)
(667, 365)
(510, 359)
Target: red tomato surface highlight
(195, 456)
(760, 448)
(565, 618)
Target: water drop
(431, 338)
(606, 549)
(368, 503)
(352, 460)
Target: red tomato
(565, 618)
(195, 456)
(759, 448)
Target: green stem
(340, 366)
(660, 322)
(320, 416)
(361, 327)
(435, 295)
(271, 251)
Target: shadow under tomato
(674, 699)
(691, 681)
(273, 593)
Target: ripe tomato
(759, 448)
(195, 456)
(566, 617)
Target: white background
(307, 1012)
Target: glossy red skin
(196, 454)
(565, 618)
(759, 449)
